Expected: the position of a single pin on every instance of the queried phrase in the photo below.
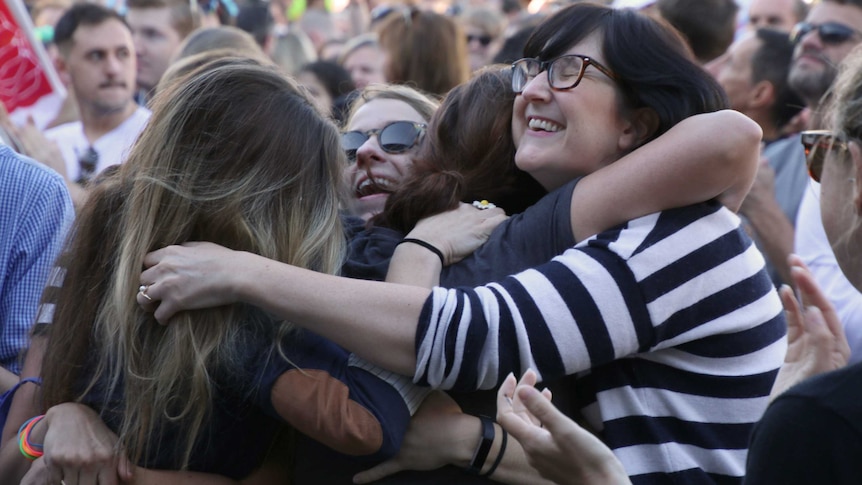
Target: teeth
(544, 125)
(380, 182)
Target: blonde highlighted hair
(236, 154)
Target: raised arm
(703, 157)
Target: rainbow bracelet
(29, 450)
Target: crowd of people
(573, 242)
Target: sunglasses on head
(817, 144)
(829, 32)
(396, 137)
(482, 39)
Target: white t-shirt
(112, 147)
(813, 247)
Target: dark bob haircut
(654, 67)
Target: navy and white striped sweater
(670, 322)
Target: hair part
(424, 104)
(434, 67)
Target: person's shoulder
(23, 173)
(839, 388)
(72, 129)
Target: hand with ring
(190, 276)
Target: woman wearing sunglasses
(384, 128)
(669, 322)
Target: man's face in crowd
(156, 41)
(733, 71)
(815, 61)
(100, 66)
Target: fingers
(125, 469)
(504, 396)
(792, 313)
(542, 408)
(521, 427)
(389, 467)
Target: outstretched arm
(702, 157)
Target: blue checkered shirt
(35, 215)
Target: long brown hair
(425, 50)
(235, 154)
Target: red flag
(26, 73)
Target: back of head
(235, 154)
(256, 19)
(216, 38)
(708, 25)
(653, 66)
(81, 14)
(292, 51)
(468, 154)
(424, 49)
(771, 62)
(334, 78)
(185, 15)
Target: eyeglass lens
(829, 32)
(395, 137)
(563, 72)
(87, 163)
(817, 145)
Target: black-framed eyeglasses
(564, 72)
(483, 40)
(396, 137)
(829, 32)
(817, 143)
(87, 164)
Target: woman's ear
(856, 158)
(643, 125)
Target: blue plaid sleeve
(35, 214)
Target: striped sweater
(670, 322)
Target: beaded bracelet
(29, 450)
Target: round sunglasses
(396, 137)
(817, 144)
(830, 32)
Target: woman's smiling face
(563, 134)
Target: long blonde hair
(235, 154)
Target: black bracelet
(484, 447)
(499, 453)
(424, 245)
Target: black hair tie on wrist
(499, 453)
(425, 245)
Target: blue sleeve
(327, 394)
(35, 214)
